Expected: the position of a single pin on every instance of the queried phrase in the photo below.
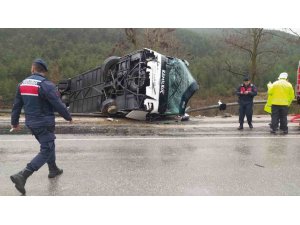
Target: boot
(54, 170)
(240, 127)
(272, 131)
(19, 179)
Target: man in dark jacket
(39, 98)
(246, 93)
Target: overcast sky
(152, 13)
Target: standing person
(246, 93)
(282, 95)
(40, 99)
(268, 105)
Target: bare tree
(131, 35)
(162, 40)
(154, 38)
(252, 41)
(294, 32)
(296, 36)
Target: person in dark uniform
(39, 98)
(246, 93)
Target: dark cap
(246, 78)
(42, 63)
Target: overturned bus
(143, 84)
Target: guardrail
(257, 102)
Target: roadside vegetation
(219, 58)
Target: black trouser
(246, 108)
(279, 115)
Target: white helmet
(283, 75)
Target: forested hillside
(217, 57)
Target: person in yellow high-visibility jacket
(268, 105)
(281, 94)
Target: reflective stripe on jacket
(248, 98)
(40, 99)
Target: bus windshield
(181, 84)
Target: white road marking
(158, 138)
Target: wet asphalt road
(155, 166)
